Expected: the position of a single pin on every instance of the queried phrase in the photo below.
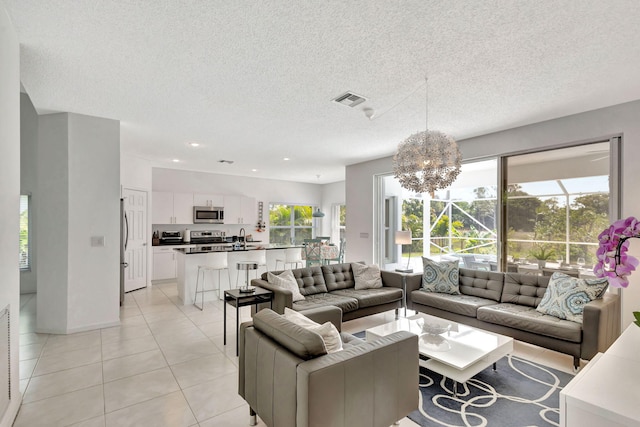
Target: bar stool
(292, 256)
(217, 261)
(259, 257)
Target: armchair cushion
(302, 342)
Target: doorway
(135, 255)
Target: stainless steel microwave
(208, 215)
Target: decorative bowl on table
(435, 328)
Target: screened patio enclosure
(548, 212)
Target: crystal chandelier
(427, 161)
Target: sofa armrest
(281, 297)
(354, 378)
(391, 279)
(414, 282)
(329, 313)
(600, 325)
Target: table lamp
(404, 238)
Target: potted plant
(542, 253)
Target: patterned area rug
(518, 393)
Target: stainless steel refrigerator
(124, 240)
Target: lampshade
(318, 213)
(403, 237)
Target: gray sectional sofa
(506, 303)
(333, 285)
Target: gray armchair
(287, 378)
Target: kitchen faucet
(242, 234)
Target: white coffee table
(458, 354)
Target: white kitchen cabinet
(183, 208)
(164, 263)
(212, 200)
(239, 210)
(172, 208)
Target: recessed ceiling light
(193, 144)
(254, 170)
(285, 159)
(176, 160)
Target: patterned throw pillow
(366, 276)
(286, 280)
(566, 296)
(440, 277)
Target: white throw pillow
(366, 276)
(298, 318)
(330, 335)
(286, 280)
(327, 331)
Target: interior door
(135, 209)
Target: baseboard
(12, 411)
(79, 329)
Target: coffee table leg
(494, 366)
(224, 322)
(455, 389)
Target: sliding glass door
(532, 213)
(556, 204)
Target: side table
(239, 299)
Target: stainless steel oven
(208, 215)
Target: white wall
(618, 119)
(29, 184)
(10, 197)
(79, 182)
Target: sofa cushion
(371, 297)
(310, 280)
(366, 276)
(528, 319)
(302, 342)
(524, 289)
(465, 305)
(440, 277)
(481, 283)
(286, 280)
(345, 304)
(566, 296)
(338, 276)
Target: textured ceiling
(252, 81)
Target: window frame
(292, 226)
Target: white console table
(607, 390)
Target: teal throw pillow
(440, 277)
(566, 296)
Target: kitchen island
(188, 260)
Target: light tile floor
(165, 365)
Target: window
(339, 222)
(290, 224)
(25, 257)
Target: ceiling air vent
(350, 99)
